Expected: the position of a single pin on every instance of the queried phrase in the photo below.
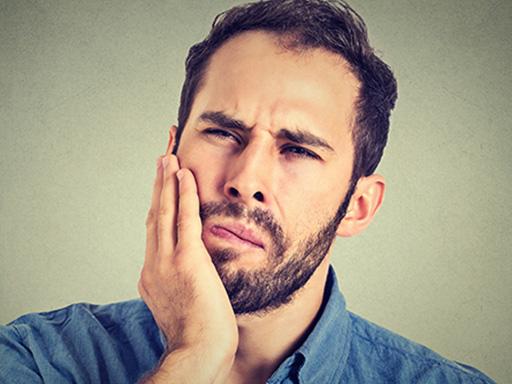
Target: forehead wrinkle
(297, 135)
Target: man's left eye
(299, 152)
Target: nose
(249, 177)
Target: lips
(239, 231)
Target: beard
(269, 287)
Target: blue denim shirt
(118, 343)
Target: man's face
(269, 142)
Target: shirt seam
(22, 338)
(18, 333)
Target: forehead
(253, 78)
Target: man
(283, 120)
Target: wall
(89, 89)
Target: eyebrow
(223, 120)
(303, 137)
(297, 136)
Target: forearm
(190, 367)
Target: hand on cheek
(179, 282)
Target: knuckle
(163, 270)
(140, 288)
(163, 230)
(186, 225)
(151, 217)
(163, 211)
(183, 223)
(144, 282)
(181, 253)
(143, 276)
(181, 262)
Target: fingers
(167, 209)
(174, 215)
(189, 225)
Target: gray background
(89, 89)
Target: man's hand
(181, 287)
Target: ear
(364, 204)
(172, 137)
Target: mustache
(257, 216)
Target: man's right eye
(221, 134)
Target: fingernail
(179, 174)
(158, 162)
(165, 161)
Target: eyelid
(222, 134)
(306, 152)
(226, 134)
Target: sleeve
(17, 365)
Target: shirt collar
(323, 355)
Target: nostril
(258, 196)
(233, 192)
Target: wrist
(195, 365)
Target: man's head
(283, 110)
(302, 25)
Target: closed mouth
(240, 232)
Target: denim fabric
(118, 343)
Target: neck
(266, 340)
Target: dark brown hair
(331, 25)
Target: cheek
(207, 168)
(307, 185)
(308, 199)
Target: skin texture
(265, 88)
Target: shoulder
(80, 314)
(80, 339)
(80, 323)
(378, 352)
